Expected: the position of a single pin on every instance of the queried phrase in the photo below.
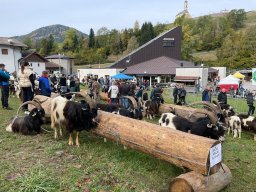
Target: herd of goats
(213, 120)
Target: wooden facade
(167, 44)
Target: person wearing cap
(44, 84)
(249, 99)
(222, 97)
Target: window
(168, 42)
(4, 51)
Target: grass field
(40, 163)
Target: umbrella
(121, 76)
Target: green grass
(41, 163)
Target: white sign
(215, 155)
(253, 76)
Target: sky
(19, 17)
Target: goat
(29, 124)
(202, 126)
(248, 123)
(73, 115)
(151, 109)
(234, 124)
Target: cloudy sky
(20, 17)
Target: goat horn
(212, 116)
(37, 105)
(86, 96)
(134, 102)
(208, 105)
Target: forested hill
(57, 31)
(225, 39)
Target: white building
(66, 63)
(98, 73)
(10, 53)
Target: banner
(253, 76)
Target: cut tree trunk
(195, 182)
(184, 111)
(176, 147)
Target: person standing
(63, 84)
(96, 90)
(175, 93)
(182, 95)
(156, 94)
(124, 91)
(206, 94)
(44, 84)
(26, 83)
(4, 83)
(222, 97)
(249, 100)
(113, 93)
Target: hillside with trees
(57, 31)
(222, 39)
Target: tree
(136, 28)
(146, 33)
(44, 47)
(71, 41)
(50, 45)
(91, 43)
(237, 18)
(27, 41)
(132, 44)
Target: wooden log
(176, 147)
(186, 112)
(195, 182)
(104, 96)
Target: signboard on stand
(215, 155)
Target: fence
(239, 104)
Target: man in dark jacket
(222, 97)
(4, 84)
(175, 93)
(44, 84)
(206, 95)
(156, 94)
(249, 100)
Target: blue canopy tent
(121, 76)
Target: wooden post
(176, 147)
(195, 182)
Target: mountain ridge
(57, 30)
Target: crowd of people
(27, 84)
(30, 85)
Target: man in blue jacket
(4, 83)
(44, 84)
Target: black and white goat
(118, 109)
(202, 126)
(29, 124)
(234, 124)
(74, 116)
(248, 123)
(151, 109)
